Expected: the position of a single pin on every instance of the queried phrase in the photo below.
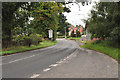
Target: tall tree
(46, 16)
(12, 17)
(104, 21)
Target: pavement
(84, 63)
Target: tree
(12, 17)
(47, 14)
(104, 21)
(16, 17)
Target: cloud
(76, 16)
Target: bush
(36, 38)
(96, 42)
(93, 36)
(28, 41)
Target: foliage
(16, 49)
(36, 38)
(63, 24)
(46, 16)
(18, 28)
(25, 37)
(104, 21)
(12, 16)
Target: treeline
(19, 29)
(105, 21)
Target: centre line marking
(21, 59)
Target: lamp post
(65, 32)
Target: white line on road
(45, 70)
(21, 59)
(17, 60)
(35, 76)
(53, 65)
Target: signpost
(50, 34)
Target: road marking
(45, 70)
(29, 51)
(21, 59)
(64, 59)
(59, 61)
(53, 65)
(17, 60)
(35, 75)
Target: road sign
(50, 33)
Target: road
(84, 64)
(64, 60)
(26, 64)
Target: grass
(61, 36)
(17, 49)
(84, 41)
(104, 48)
(78, 38)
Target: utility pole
(65, 32)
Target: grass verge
(101, 47)
(78, 38)
(61, 36)
(17, 49)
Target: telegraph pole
(65, 32)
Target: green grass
(104, 48)
(78, 38)
(84, 41)
(61, 36)
(17, 49)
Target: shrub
(96, 42)
(36, 38)
(28, 41)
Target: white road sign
(50, 33)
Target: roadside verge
(19, 49)
(110, 51)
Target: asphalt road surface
(26, 64)
(82, 63)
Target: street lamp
(65, 32)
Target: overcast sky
(76, 16)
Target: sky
(76, 16)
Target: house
(71, 28)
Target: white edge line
(53, 65)
(45, 70)
(35, 75)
